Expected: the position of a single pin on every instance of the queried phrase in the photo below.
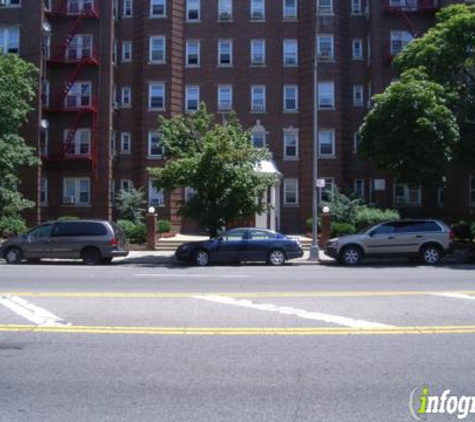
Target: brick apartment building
(108, 68)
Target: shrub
(131, 205)
(11, 226)
(367, 216)
(463, 230)
(341, 229)
(342, 207)
(135, 233)
(68, 218)
(164, 226)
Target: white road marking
(287, 310)
(33, 313)
(454, 295)
(184, 275)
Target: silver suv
(428, 240)
(93, 241)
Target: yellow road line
(183, 295)
(242, 331)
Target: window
(155, 196)
(79, 95)
(291, 191)
(10, 3)
(405, 4)
(155, 147)
(225, 53)
(112, 141)
(44, 142)
(356, 141)
(358, 98)
(126, 96)
(359, 188)
(258, 135)
(127, 10)
(356, 7)
(47, 4)
(325, 47)
(258, 11)
(192, 10)
(126, 51)
(190, 193)
(290, 51)
(328, 189)
(258, 52)
(258, 98)
(80, 144)
(192, 98)
(472, 191)
(10, 40)
(290, 9)
(225, 10)
(193, 53)
(357, 49)
(126, 185)
(326, 95)
(399, 40)
(79, 6)
(156, 96)
(157, 53)
(326, 143)
(45, 93)
(115, 51)
(406, 196)
(43, 191)
(291, 98)
(125, 143)
(225, 97)
(115, 8)
(291, 144)
(76, 191)
(158, 8)
(46, 45)
(325, 7)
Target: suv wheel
(13, 256)
(201, 258)
(351, 255)
(276, 257)
(431, 254)
(91, 256)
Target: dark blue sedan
(242, 244)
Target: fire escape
(81, 104)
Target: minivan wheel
(351, 255)
(276, 257)
(201, 258)
(91, 256)
(431, 254)
(13, 256)
(106, 260)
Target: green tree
(131, 205)
(411, 132)
(17, 90)
(218, 162)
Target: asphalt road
(240, 343)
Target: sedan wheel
(431, 255)
(276, 258)
(351, 256)
(201, 258)
(13, 256)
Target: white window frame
(324, 9)
(45, 94)
(46, 45)
(328, 102)
(43, 191)
(229, 102)
(295, 134)
(151, 135)
(125, 143)
(193, 5)
(295, 89)
(221, 44)
(12, 3)
(329, 187)
(290, 58)
(225, 10)
(151, 86)
(127, 8)
(77, 142)
(78, 183)
(404, 200)
(10, 44)
(126, 51)
(259, 133)
(324, 54)
(261, 57)
(126, 97)
(289, 12)
(357, 45)
(44, 142)
(356, 7)
(82, 6)
(80, 47)
(126, 185)
(356, 141)
(189, 89)
(257, 10)
(158, 3)
(256, 107)
(77, 95)
(163, 40)
(324, 132)
(155, 197)
(293, 183)
(402, 37)
(189, 44)
(358, 95)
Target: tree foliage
(17, 90)
(218, 162)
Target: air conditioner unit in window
(225, 16)
(225, 105)
(258, 107)
(257, 16)
(325, 55)
(69, 200)
(258, 59)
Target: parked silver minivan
(93, 241)
(428, 240)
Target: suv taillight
(114, 241)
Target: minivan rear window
(70, 229)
